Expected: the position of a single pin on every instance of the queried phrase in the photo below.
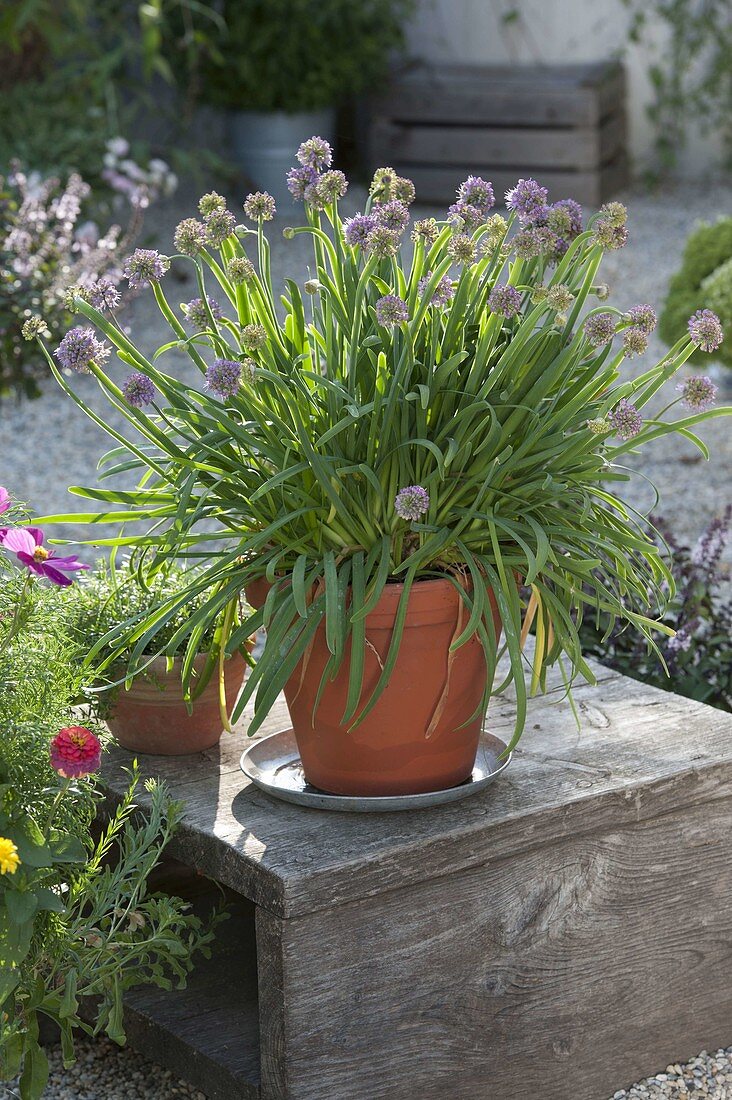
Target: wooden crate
(558, 935)
(563, 124)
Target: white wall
(472, 31)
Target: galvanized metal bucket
(264, 144)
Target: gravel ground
(105, 1072)
(49, 444)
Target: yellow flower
(9, 858)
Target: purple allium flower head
(608, 235)
(505, 299)
(315, 153)
(79, 347)
(698, 391)
(443, 293)
(253, 337)
(393, 214)
(103, 295)
(411, 502)
(260, 206)
(526, 197)
(708, 550)
(635, 341)
(534, 240)
(425, 230)
(559, 297)
(220, 224)
(391, 310)
(240, 269)
(196, 314)
(403, 190)
(706, 330)
(382, 185)
(27, 545)
(138, 390)
(314, 197)
(461, 249)
(643, 317)
(382, 242)
(298, 179)
(145, 266)
(33, 327)
(625, 419)
(600, 328)
(615, 213)
(332, 185)
(223, 377)
(189, 237)
(5, 500)
(210, 202)
(462, 215)
(476, 192)
(357, 229)
(573, 212)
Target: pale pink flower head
(5, 500)
(27, 545)
(75, 752)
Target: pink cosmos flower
(5, 501)
(75, 752)
(27, 545)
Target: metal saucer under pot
(273, 764)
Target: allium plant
(416, 414)
(48, 243)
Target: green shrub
(302, 55)
(704, 280)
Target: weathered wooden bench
(564, 932)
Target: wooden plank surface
(640, 753)
(207, 1033)
(551, 95)
(559, 974)
(519, 148)
(438, 184)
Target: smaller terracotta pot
(153, 718)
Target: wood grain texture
(514, 95)
(496, 147)
(207, 1033)
(640, 753)
(590, 187)
(559, 973)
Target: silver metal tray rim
(272, 765)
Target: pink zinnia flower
(27, 545)
(5, 501)
(75, 752)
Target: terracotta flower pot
(423, 732)
(152, 717)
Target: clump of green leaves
(703, 280)
(302, 55)
(698, 656)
